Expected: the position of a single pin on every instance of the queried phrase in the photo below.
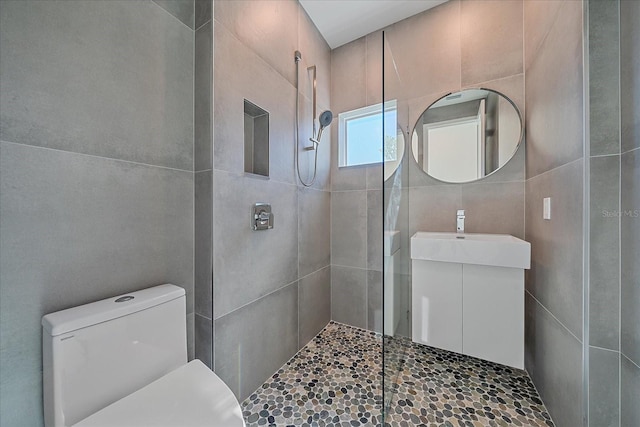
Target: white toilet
(123, 362)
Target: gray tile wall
(555, 168)
(271, 289)
(630, 207)
(96, 169)
(614, 289)
(203, 188)
(604, 221)
(456, 52)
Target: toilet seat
(190, 396)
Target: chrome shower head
(325, 120)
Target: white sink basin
(500, 250)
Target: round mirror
(393, 153)
(466, 135)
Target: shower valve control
(261, 216)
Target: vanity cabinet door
(437, 304)
(493, 314)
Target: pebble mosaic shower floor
(335, 380)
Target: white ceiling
(342, 21)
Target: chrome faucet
(460, 221)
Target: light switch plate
(546, 208)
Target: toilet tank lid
(72, 319)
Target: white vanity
(468, 294)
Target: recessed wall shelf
(256, 139)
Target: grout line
(356, 268)
(619, 22)
(629, 151)
(175, 17)
(552, 315)
(203, 171)
(595, 156)
(556, 168)
(258, 299)
(586, 212)
(208, 20)
(203, 316)
(603, 348)
(634, 363)
(314, 272)
(253, 52)
(95, 156)
(193, 167)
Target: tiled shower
(121, 167)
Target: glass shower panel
(396, 261)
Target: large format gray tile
(604, 77)
(349, 228)
(191, 336)
(604, 248)
(249, 264)
(630, 248)
(315, 51)
(629, 74)
(203, 237)
(553, 359)
(269, 28)
(204, 340)
(345, 178)
(554, 95)
(604, 387)
(629, 392)
(436, 66)
(491, 40)
(203, 11)
(253, 342)
(314, 311)
(555, 277)
(349, 296)
(539, 17)
(348, 76)
(512, 171)
(241, 74)
(396, 218)
(203, 102)
(434, 208)
(511, 86)
(314, 230)
(375, 176)
(374, 301)
(348, 92)
(107, 78)
(183, 10)
(76, 229)
(374, 48)
(21, 403)
(494, 208)
(375, 228)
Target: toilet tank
(98, 353)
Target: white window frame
(359, 113)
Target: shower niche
(256, 140)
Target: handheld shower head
(325, 120)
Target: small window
(359, 135)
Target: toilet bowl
(122, 362)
